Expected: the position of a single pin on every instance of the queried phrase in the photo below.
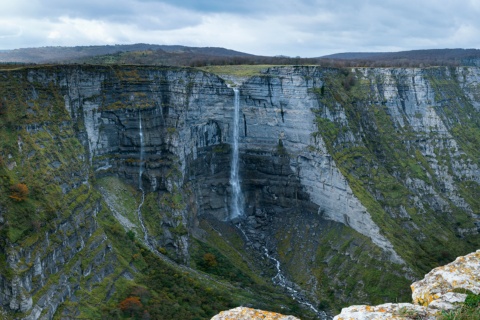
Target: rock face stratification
(354, 180)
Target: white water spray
(140, 186)
(237, 199)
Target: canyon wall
(356, 180)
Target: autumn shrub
(209, 260)
(131, 306)
(19, 192)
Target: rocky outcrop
(463, 273)
(242, 313)
(396, 311)
(437, 292)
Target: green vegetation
(346, 267)
(38, 148)
(377, 157)
(230, 245)
(456, 110)
(210, 260)
(469, 310)
(236, 70)
(157, 289)
(121, 198)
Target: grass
(236, 70)
(377, 164)
(231, 246)
(124, 198)
(469, 310)
(347, 267)
(166, 292)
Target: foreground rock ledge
(430, 296)
(242, 313)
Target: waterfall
(142, 151)
(237, 199)
(140, 173)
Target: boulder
(435, 293)
(463, 273)
(242, 313)
(386, 311)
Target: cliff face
(354, 180)
(387, 152)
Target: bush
(3, 108)
(472, 300)
(131, 306)
(209, 260)
(131, 235)
(19, 192)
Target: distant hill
(176, 55)
(428, 56)
(69, 54)
(194, 57)
(354, 55)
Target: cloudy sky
(306, 28)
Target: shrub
(131, 306)
(210, 260)
(472, 300)
(19, 192)
(131, 235)
(3, 108)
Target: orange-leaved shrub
(131, 306)
(210, 260)
(19, 192)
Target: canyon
(327, 186)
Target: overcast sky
(306, 28)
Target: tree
(3, 108)
(210, 260)
(131, 306)
(19, 192)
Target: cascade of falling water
(237, 200)
(140, 186)
(280, 280)
(142, 151)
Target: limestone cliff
(355, 181)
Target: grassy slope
(377, 166)
(236, 70)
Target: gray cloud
(268, 27)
